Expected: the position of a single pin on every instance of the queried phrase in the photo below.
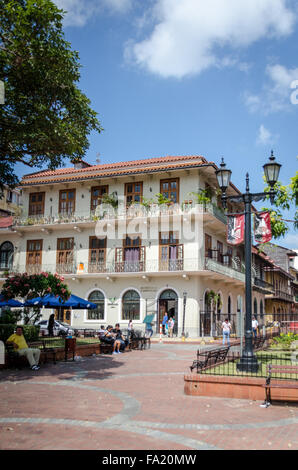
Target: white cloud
(277, 91)
(264, 136)
(79, 12)
(190, 35)
(281, 79)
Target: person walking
(226, 330)
(254, 325)
(148, 329)
(164, 323)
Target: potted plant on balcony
(29, 221)
(162, 200)
(110, 199)
(203, 196)
(146, 204)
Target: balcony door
(219, 252)
(208, 246)
(67, 200)
(96, 195)
(133, 193)
(65, 255)
(130, 258)
(169, 188)
(97, 255)
(36, 204)
(34, 256)
(170, 252)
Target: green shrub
(31, 332)
(6, 331)
(10, 317)
(284, 340)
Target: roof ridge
(107, 166)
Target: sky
(190, 77)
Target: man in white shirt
(254, 325)
(226, 330)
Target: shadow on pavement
(93, 368)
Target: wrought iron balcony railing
(106, 212)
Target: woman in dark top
(51, 324)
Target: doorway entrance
(168, 302)
(63, 315)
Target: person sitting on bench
(108, 337)
(21, 347)
(120, 337)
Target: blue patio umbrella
(51, 301)
(9, 303)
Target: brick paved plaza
(133, 401)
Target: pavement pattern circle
(132, 401)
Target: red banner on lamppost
(235, 229)
(262, 227)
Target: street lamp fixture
(223, 176)
(248, 361)
(271, 172)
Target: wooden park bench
(106, 348)
(258, 342)
(209, 358)
(15, 360)
(282, 371)
(138, 340)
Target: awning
(148, 319)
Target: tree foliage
(286, 197)
(27, 287)
(45, 118)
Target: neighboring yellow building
(10, 201)
(279, 303)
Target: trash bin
(70, 347)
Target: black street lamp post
(248, 361)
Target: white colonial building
(112, 233)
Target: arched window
(261, 308)
(255, 307)
(98, 313)
(131, 305)
(229, 305)
(6, 255)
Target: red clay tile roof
(115, 169)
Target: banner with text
(262, 227)
(235, 229)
